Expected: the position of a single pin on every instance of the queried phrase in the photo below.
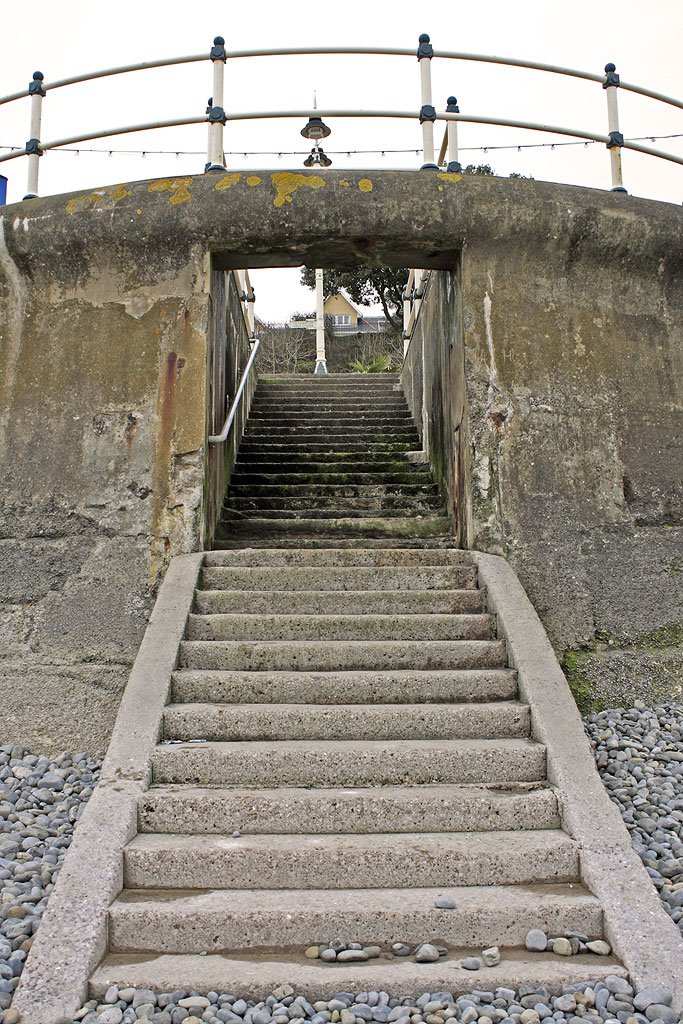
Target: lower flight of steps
(327, 457)
(344, 744)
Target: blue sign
(3, 189)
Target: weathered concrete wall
(571, 305)
(103, 360)
(433, 379)
(572, 434)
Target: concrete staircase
(344, 741)
(329, 457)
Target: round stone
(426, 954)
(471, 963)
(328, 955)
(562, 946)
(536, 940)
(444, 903)
(599, 947)
(312, 953)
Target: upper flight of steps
(362, 750)
(326, 456)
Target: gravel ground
(40, 802)
(639, 753)
(611, 1000)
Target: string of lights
(340, 152)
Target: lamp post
(315, 130)
(320, 358)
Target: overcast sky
(70, 36)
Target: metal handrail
(400, 114)
(232, 412)
(324, 50)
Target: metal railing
(234, 405)
(217, 117)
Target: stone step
(334, 462)
(243, 511)
(330, 763)
(341, 557)
(341, 655)
(196, 811)
(245, 538)
(357, 628)
(257, 978)
(334, 413)
(367, 687)
(373, 486)
(293, 472)
(323, 446)
(258, 722)
(323, 576)
(331, 602)
(169, 921)
(379, 405)
(335, 433)
(334, 531)
(370, 861)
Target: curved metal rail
(232, 412)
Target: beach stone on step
(312, 953)
(328, 955)
(536, 941)
(426, 954)
(444, 903)
(562, 946)
(491, 956)
(471, 963)
(599, 947)
(351, 955)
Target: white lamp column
(320, 360)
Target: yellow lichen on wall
(179, 189)
(365, 185)
(253, 180)
(121, 192)
(287, 183)
(450, 177)
(84, 202)
(227, 181)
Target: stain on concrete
(288, 182)
(227, 181)
(179, 189)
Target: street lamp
(316, 130)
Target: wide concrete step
(241, 722)
(338, 427)
(296, 472)
(341, 655)
(335, 505)
(339, 557)
(257, 978)
(339, 627)
(195, 922)
(331, 763)
(334, 530)
(312, 417)
(334, 602)
(334, 462)
(370, 861)
(293, 510)
(324, 446)
(335, 485)
(365, 687)
(198, 811)
(295, 576)
(246, 538)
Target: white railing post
(33, 150)
(454, 166)
(610, 85)
(320, 357)
(427, 111)
(407, 307)
(216, 114)
(251, 300)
